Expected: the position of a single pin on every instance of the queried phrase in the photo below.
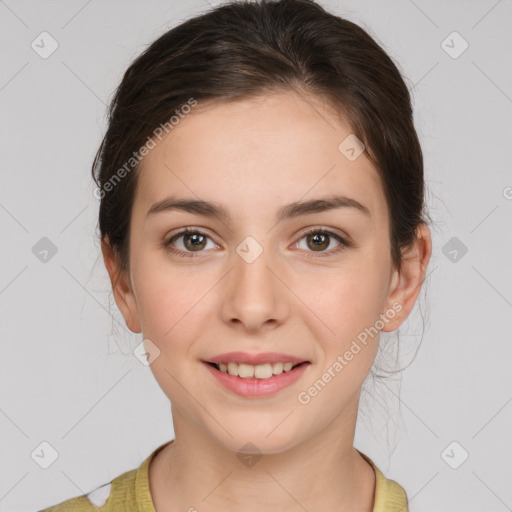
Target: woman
(262, 221)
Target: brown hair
(244, 49)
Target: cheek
(346, 301)
(172, 303)
(171, 306)
(350, 307)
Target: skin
(254, 156)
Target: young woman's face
(256, 281)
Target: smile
(260, 371)
(256, 380)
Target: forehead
(256, 154)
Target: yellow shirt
(129, 492)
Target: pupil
(195, 238)
(319, 238)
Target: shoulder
(389, 495)
(128, 492)
(93, 501)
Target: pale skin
(253, 157)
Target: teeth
(263, 371)
(277, 368)
(245, 370)
(260, 371)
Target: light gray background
(67, 378)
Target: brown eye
(193, 241)
(318, 240)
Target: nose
(254, 296)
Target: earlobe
(123, 293)
(406, 283)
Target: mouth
(260, 371)
(258, 381)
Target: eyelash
(344, 244)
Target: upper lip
(255, 359)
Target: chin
(258, 441)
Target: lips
(256, 387)
(255, 359)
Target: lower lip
(257, 387)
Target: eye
(193, 241)
(319, 239)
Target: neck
(323, 472)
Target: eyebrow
(216, 210)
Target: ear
(121, 286)
(406, 283)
